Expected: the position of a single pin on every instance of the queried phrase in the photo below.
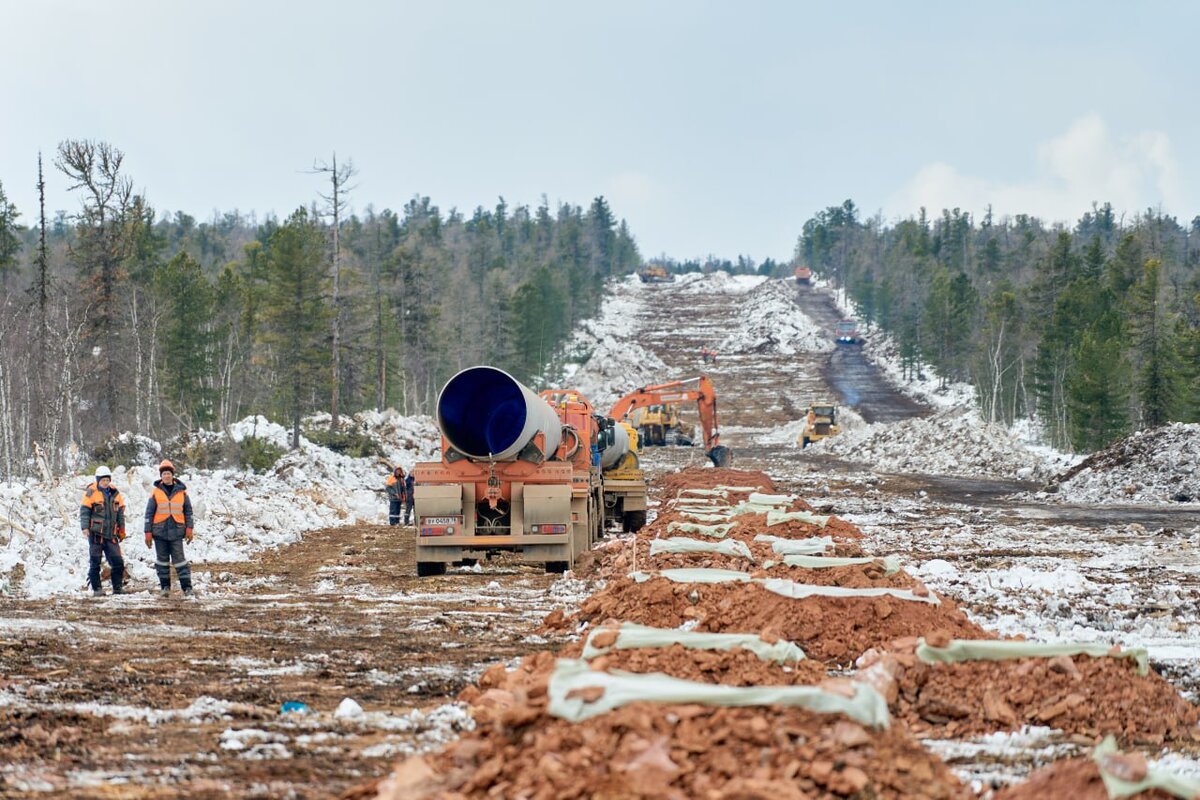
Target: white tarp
(681, 544)
(993, 650)
(569, 698)
(891, 565)
(715, 531)
(798, 547)
(631, 636)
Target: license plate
(441, 520)
(441, 526)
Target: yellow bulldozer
(821, 423)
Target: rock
(348, 709)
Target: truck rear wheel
(557, 567)
(428, 569)
(633, 521)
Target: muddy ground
(139, 697)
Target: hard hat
(165, 465)
(103, 472)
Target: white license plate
(441, 521)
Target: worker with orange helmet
(102, 519)
(395, 494)
(168, 524)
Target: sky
(713, 128)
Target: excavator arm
(699, 389)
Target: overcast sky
(712, 127)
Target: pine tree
(10, 244)
(295, 317)
(187, 340)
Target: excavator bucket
(720, 456)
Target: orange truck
(519, 472)
(803, 275)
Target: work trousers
(167, 552)
(394, 507)
(99, 547)
(408, 510)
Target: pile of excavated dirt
(829, 629)
(1081, 695)
(706, 478)
(771, 322)
(1073, 778)
(1156, 466)
(646, 750)
(737, 667)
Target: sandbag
(992, 650)
(631, 636)
(680, 544)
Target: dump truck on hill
(803, 276)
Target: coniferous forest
(115, 316)
(1093, 329)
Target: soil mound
(1080, 695)
(1074, 778)
(1159, 465)
(735, 667)
(829, 629)
(705, 478)
(646, 750)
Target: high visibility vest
(93, 498)
(165, 507)
(391, 481)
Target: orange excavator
(699, 389)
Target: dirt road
(181, 697)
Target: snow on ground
(717, 283)
(237, 512)
(772, 322)
(952, 442)
(1155, 466)
(603, 359)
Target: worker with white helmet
(102, 519)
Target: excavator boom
(699, 389)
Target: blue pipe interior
(482, 411)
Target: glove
(149, 539)
(120, 534)
(188, 534)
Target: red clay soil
(750, 525)
(736, 667)
(1073, 778)
(832, 630)
(647, 750)
(704, 478)
(1081, 695)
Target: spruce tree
(295, 316)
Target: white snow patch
(772, 322)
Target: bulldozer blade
(720, 456)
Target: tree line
(119, 318)
(1092, 329)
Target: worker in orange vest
(395, 495)
(168, 524)
(102, 518)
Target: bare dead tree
(41, 296)
(109, 211)
(335, 204)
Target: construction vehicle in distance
(517, 474)
(846, 332)
(658, 425)
(625, 484)
(803, 276)
(820, 424)
(681, 392)
(656, 273)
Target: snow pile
(237, 512)
(951, 442)
(771, 322)
(1156, 466)
(604, 362)
(717, 283)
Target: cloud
(1084, 164)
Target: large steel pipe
(619, 446)
(485, 413)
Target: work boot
(97, 593)
(164, 592)
(188, 592)
(119, 590)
